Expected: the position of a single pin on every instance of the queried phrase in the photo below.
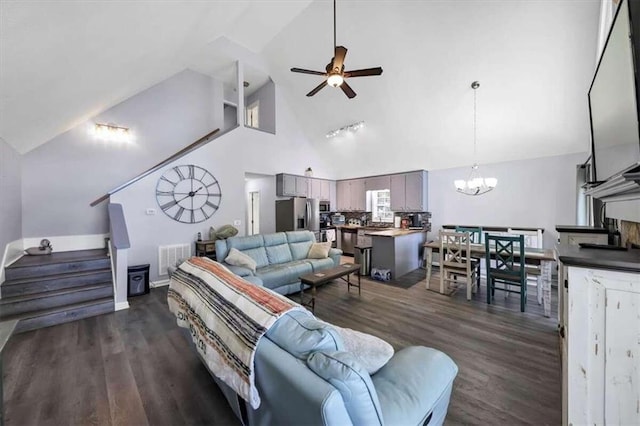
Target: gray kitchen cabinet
(325, 190)
(409, 192)
(314, 188)
(358, 195)
(291, 185)
(332, 195)
(377, 183)
(397, 193)
(351, 195)
(343, 195)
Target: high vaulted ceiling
(63, 62)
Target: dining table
(543, 258)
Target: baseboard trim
(69, 242)
(159, 283)
(121, 305)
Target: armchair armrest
(415, 382)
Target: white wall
(530, 193)
(62, 177)
(266, 186)
(267, 112)
(228, 158)
(10, 203)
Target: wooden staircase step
(23, 286)
(57, 263)
(59, 315)
(16, 305)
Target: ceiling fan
(335, 73)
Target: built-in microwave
(325, 207)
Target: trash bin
(362, 256)
(138, 280)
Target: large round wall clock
(188, 193)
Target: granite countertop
(618, 260)
(581, 229)
(394, 232)
(365, 227)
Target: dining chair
(509, 269)
(475, 233)
(532, 238)
(456, 261)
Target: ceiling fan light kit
(475, 184)
(335, 74)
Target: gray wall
(267, 112)
(61, 177)
(530, 193)
(10, 196)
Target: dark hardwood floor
(133, 367)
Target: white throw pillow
(319, 251)
(238, 258)
(370, 351)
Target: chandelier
(475, 184)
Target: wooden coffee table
(343, 271)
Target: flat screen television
(613, 97)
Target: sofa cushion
(320, 264)
(238, 258)
(241, 271)
(252, 245)
(300, 333)
(319, 250)
(300, 243)
(352, 381)
(278, 274)
(277, 248)
(259, 254)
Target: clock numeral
(192, 171)
(210, 204)
(164, 193)
(177, 169)
(168, 205)
(193, 216)
(203, 213)
(211, 184)
(178, 214)
(216, 194)
(168, 180)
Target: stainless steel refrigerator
(297, 214)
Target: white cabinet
(320, 189)
(409, 192)
(601, 348)
(351, 195)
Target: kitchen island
(397, 250)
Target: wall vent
(172, 255)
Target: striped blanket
(227, 316)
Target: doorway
(254, 213)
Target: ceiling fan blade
(363, 73)
(303, 71)
(338, 58)
(317, 88)
(347, 90)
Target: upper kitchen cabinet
(291, 185)
(351, 195)
(377, 183)
(409, 192)
(320, 189)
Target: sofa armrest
(335, 255)
(291, 393)
(238, 270)
(414, 381)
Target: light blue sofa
(281, 258)
(304, 377)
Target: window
(251, 119)
(381, 206)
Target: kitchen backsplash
(364, 219)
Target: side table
(206, 248)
